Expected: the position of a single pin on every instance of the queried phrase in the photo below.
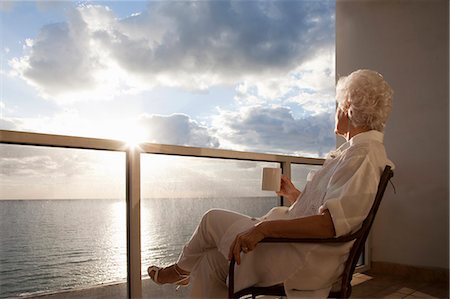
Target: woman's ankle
(180, 271)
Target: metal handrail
(63, 141)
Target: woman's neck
(353, 131)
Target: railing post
(133, 198)
(286, 170)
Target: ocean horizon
(53, 245)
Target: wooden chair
(359, 236)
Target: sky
(242, 75)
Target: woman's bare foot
(171, 274)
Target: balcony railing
(133, 177)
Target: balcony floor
(365, 285)
(376, 285)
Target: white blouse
(345, 186)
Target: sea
(48, 246)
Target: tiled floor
(369, 285)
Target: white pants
(200, 256)
(209, 267)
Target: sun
(129, 131)
(132, 142)
(133, 135)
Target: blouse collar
(368, 136)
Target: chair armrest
(342, 239)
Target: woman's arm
(318, 226)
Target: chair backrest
(361, 236)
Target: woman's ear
(349, 113)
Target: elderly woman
(334, 202)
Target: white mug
(271, 179)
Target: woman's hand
(246, 242)
(288, 190)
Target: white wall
(407, 42)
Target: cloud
(8, 124)
(36, 165)
(275, 129)
(224, 39)
(34, 161)
(42, 162)
(311, 86)
(59, 58)
(177, 129)
(65, 122)
(39, 172)
(65, 64)
(64, 169)
(192, 44)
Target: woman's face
(342, 122)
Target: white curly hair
(366, 98)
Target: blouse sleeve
(350, 193)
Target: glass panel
(362, 261)
(62, 222)
(299, 174)
(176, 191)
